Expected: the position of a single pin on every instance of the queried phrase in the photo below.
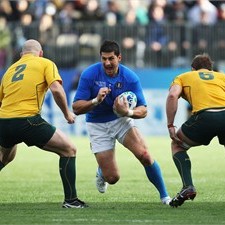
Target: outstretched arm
(172, 103)
(171, 108)
(60, 99)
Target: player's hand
(172, 133)
(121, 106)
(173, 136)
(70, 117)
(102, 93)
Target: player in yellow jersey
(204, 89)
(22, 91)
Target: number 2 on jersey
(18, 75)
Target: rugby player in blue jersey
(96, 96)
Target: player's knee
(182, 146)
(144, 158)
(112, 179)
(7, 160)
(73, 151)
(69, 151)
(7, 157)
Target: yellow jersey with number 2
(203, 89)
(24, 85)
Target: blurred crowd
(113, 11)
(48, 15)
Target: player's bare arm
(171, 109)
(84, 106)
(140, 112)
(172, 103)
(60, 99)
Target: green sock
(67, 169)
(183, 164)
(1, 165)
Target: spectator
(178, 12)
(218, 39)
(5, 44)
(159, 45)
(113, 14)
(48, 30)
(157, 38)
(9, 10)
(137, 12)
(93, 11)
(133, 42)
(221, 13)
(203, 15)
(203, 12)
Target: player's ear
(41, 53)
(119, 57)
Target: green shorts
(33, 131)
(204, 126)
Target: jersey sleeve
(136, 87)
(83, 91)
(52, 73)
(1, 93)
(140, 95)
(177, 80)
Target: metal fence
(77, 45)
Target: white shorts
(103, 136)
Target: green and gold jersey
(24, 85)
(203, 89)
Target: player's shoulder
(92, 69)
(45, 60)
(127, 70)
(188, 73)
(124, 70)
(185, 75)
(218, 73)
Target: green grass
(31, 190)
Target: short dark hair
(202, 61)
(110, 46)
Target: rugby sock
(1, 165)
(155, 177)
(100, 172)
(67, 169)
(183, 164)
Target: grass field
(31, 190)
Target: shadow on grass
(113, 213)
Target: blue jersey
(94, 77)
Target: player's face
(110, 63)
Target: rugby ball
(131, 99)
